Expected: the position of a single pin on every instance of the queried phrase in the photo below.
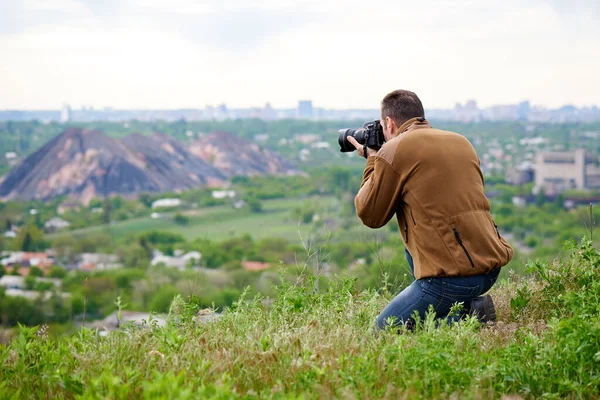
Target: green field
(217, 223)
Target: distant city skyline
(152, 54)
(305, 109)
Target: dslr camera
(370, 135)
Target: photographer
(431, 180)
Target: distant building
(18, 282)
(254, 265)
(305, 109)
(306, 138)
(65, 114)
(321, 145)
(55, 224)
(34, 295)
(556, 172)
(27, 259)
(99, 262)
(68, 206)
(179, 262)
(167, 203)
(222, 194)
(519, 201)
(520, 175)
(239, 204)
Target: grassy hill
(222, 222)
(307, 344)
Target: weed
(309, 344)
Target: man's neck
(411, 124)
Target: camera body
(371, 135)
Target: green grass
(222, 222)
(309, 344)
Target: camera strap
(365, 154)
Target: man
(431, 180)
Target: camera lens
(345, 145)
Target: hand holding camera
(367, 140)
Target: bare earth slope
(83, 164)
(235, 156)
(79, 162)
(171, 164)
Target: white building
(222, 194)
(320, 145)
(65, 114)
(101, 262)
(18, 282)
(34, 294)
(181, 262)
(167, 203)
(556, 172)
(56, 223)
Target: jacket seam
(462, 213)
(389, 164)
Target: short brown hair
(401, 105)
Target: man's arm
(379, 194)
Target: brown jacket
(432, 181)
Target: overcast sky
(339, 53)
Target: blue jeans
(442, 293)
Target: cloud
(152, 53)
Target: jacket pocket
(460, 242)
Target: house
(254, 265)
(27, 259)
(99, 262)
(18, 282)
(12, 282)
(68, 206)
(222, 194)
(166, 203)
(239, 204)
(306, 138)
(179, 262)
(34, 295)
(55, 224)
(520, 175)
(321, 145)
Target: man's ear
(391, 124)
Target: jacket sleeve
(379, 194)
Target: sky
(338, 53)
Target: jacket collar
(413, 123)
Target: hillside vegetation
(319, 344)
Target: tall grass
(310, 344)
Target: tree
(161, 301)
(35, 271)
(254, 203)
(181, 219)
(540, 198)
(27, 242)
(57, 272)
(2, 271)
(30, 238)
(29, 282)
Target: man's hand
(361, 149)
